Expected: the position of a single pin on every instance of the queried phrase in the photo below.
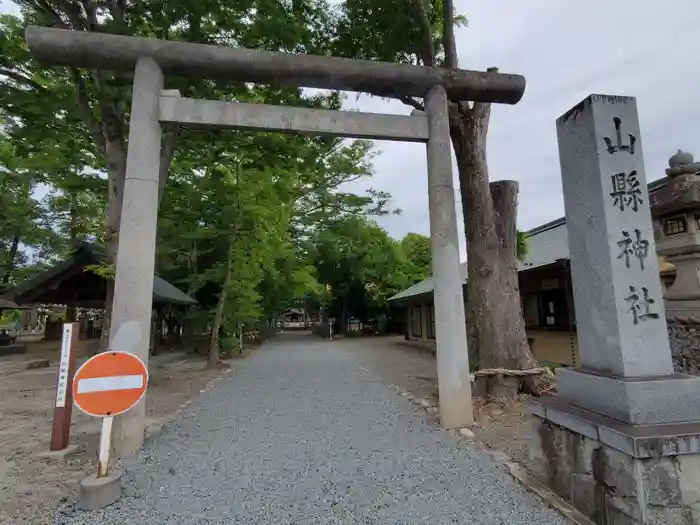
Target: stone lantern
(675, 209)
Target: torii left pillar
(133, 288)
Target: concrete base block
(96, 493)
(59, 455)
(643, 401)
(614, 472)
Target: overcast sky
(566, 50)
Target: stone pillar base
(613, 472)
(97, 493)
(637, 401)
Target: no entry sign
(109, 384)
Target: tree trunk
(10, 266)
(214, 357)
(218, 318)
(192, 267)
(116, 171)
(468, 131)
(344, 318)
(515, 353)
(74, 235)
(14, 246)
(495, 325)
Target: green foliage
(387, 30)
(106, 271)
(522, 246)
(261, 221)
(417, 250)
(363, 267)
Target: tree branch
(117, 9)
(18, 77)
(83, 99)
(45, 8)
(426, 32)
(74, 14)
(167, 151)
(448, 35)
(90, 15)
(410, 101)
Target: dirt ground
(414, 369)
(32, 488)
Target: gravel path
(302, 433)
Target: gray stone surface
(610, 486)
(454, 376)
(611, 243)
(301, 433)
(109, 51)
(133, 288)
(98, 493)
(59, 455)
(640, 441)
(261, 117)
(672, 399)
(685, 347)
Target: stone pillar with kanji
(623, 431)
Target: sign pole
(106, 385)
(105, 444)
(63, 406)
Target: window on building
(430, 318)
(697, 222)
(675, 225)
(531, 310)
(657, 230)
(554, 310)
(416, 321)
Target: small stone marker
(620, 316)
(107, 385)
(466, 433)
(39, 363)
(60, 429)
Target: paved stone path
(302, 433)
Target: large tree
(422, 32)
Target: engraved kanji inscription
(633, 247)
(640, 305)
(626, 191)
(618, 145)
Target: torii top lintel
(116, 52)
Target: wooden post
(63, 406)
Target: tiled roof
(163, 291)
(546, 244)
(426, 286)
(5, 303)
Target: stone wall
(611, 487)
(684, 337)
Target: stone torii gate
(151, 106)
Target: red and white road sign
(109, 384)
